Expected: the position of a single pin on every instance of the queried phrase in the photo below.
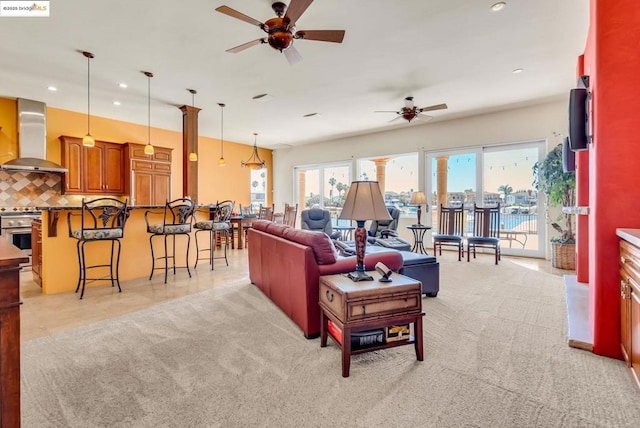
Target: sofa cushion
(277, 229)
(409, 258)
(323, 249)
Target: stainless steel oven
(15, 227)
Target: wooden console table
(10, 259)
(366, 305)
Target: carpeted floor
(495, 356)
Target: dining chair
(290, 213)
(450, 230)
(486, 230)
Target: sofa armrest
(393, 259)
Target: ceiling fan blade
(247, 45)
(335, 36)
(424, 117)
(296, 9)
(292, 54)
(386, 111)
(435, 107)
(395, 119)
(238, 15)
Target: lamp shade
(364, 202)
(418, 198)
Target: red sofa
(286, 264)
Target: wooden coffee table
(367, 305)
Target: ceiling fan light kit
(410, 111)
(281, 30)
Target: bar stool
(218, 228)
(175, 220)
(101, 220)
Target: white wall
(515, 125)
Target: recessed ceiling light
(498, 6)
(123, 85)
(116, 103)
(517, 70)
(52, 88)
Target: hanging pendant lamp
(221, 161)
(254, 162)
(193, 156)
(148, 149)
(88, 140)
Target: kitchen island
(59, 271)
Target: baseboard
(577, 296)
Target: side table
(366, 305)
(418, 237)
(345, 232)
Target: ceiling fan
(410, 111)
(282, 30)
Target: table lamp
(364, 202)
(418, 198)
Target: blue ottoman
(424, 268)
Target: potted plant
(560, 189)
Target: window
(258, 188)
(400, 178)
(323, 186)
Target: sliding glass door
(323, 186)
(489, 176)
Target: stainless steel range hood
(32, 140)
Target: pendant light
(254, 162)
(88, 140)
(193, 156)
(148, 149)
(221, 161)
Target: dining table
(240, 224)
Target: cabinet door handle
(329, 296)
(624, 260)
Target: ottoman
(424, 268)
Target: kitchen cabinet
(93, 170)
(36, 251)
(149, 178)
(630, 306)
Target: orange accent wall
(214, 182)
(612, 61)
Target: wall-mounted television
(568, 157)
(578, 119)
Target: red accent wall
(612, 59)
(582, 200)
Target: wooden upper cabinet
(93, 170)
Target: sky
(512, 167)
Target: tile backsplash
(34, 189)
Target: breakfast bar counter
(59, 251)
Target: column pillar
(381, 172)
(189, 145)
(441, 176)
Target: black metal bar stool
(219, 230)
(101, 220)
(174, 220)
